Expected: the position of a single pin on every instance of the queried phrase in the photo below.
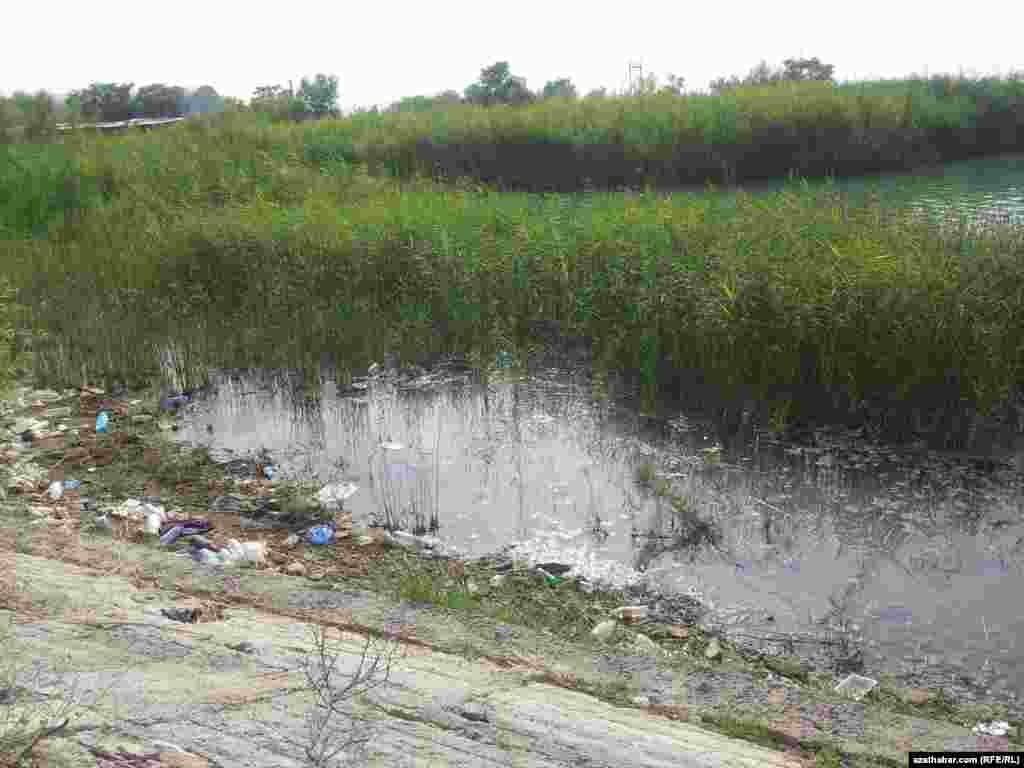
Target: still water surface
(989, 189)
(920, 554)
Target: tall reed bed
(795, 298)
(806, 128)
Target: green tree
(73, 107)
(159, 100)
(233, 104)
(674, 85)
(320, 95)
(762, 74)
(561, 88)
(7, 120)
(42, 117)
(497, 85)
(495, 78)
(516, 92)
(106, 101)
(425, 103)
(807, 69)
(279, 102)
(22, 101)
(204, 100)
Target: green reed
(238, 237)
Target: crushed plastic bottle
(320, 534)
(102, 419)
(332, 496)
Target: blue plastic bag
(102, 419)
(320, 534)
(268, 472)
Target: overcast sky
(383, 50)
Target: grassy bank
(258, 246)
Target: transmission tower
(638, 68)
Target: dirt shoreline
(54, 556)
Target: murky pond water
(919, 554)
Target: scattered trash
(170, 536)
(208, 557)
(331, 496)
(153, 522)
(497, 580)
(856, 687)
(186, 615)
(171, 530)
(103, 521)
(71, 485)
(408, 540)
(134, 509)
(714, 650)
(994, 728)
(604, 630)
(173, 402)
(250, 551)
(503, 359)
(320, 534)
(630, 614)
(392, 446)
(102, 419)
(550, 579)
(243, 647)
(555, 569)
(56, 490)
(268, 471)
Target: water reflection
(920, 552)
(981, 191)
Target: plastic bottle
(102, 419)
(320, 534)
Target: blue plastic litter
(268, 472)
(173, 402)
(102, 419)
(320, 534)
(70, 485)
(172, 535)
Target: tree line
(497, 85)
(34, 117)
